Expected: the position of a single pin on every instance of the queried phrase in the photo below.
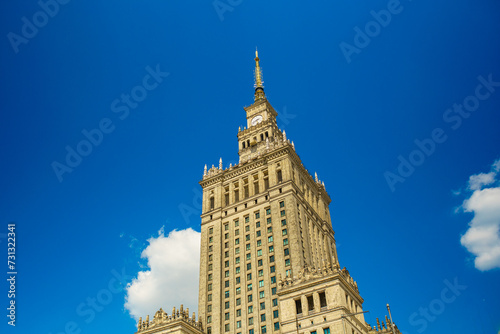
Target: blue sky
(356, 103)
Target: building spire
(259, 82)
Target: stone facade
(268, 259)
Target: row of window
(310, 302)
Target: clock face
(256, 120)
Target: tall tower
(265, 217)
(268, 259)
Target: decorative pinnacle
(259, 82)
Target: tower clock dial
(256, 120)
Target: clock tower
(261, 130)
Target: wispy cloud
(172, 275)
(482, 238)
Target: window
(209, 319)
(245, 188)
(287, 251)
(275, 314)
(273, 291)
(210, 249)
(257, 215)
(226, 294)
(226, 305)
(238, 324)
(237, 270)
(268, 211)
(250, 331)
(275, 302)
(287, 262)
(326, 330)
(258, 234)
(237, 232)
(269, 220)
(248, 247)
(226, 273)
(226, 235)
(210, 267)
(273, 279)
(226, 328)
(209, 297)
(282, 204)
(313, 332)
(249, 287)
(250, 309)
(249, 256)
(238, 312)
(236, 195)
(288, 272)
(310, 303)
(261, 273)
(226, 244)
(261, 283)
(257, 224)
(211, 230)
(226, 264)
(237, 250)
(270, 239)
(238, 301)
(276, 326)
(249, 298)
(283, 222)
(209, 287)
(237, 260)
(279, 176)
(247, 219)
(226, 227)
(212, 203)
(284, 232)
(209, 330)
(226, 254)
(322, 299)
(272, 269)
(226, 199)
(236, 223)
(285, 242)
(238, 289)
(247, 228)
(247, 237)
(263, 306)
(270, 229)
(249, 266)
(211, 239)
(249, 277)
(209, 308)
(259, 252)
(282, 212)
(238, 280)
(259, 263)
(259, 243)
(226, 316)
(271, 249)
(263, 317)
(210, 257)
(271, 258)
(298, 306)
(250, 321)
(262, 294)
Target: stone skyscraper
(268, 257)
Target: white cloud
(482, 239)
(172, 277)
